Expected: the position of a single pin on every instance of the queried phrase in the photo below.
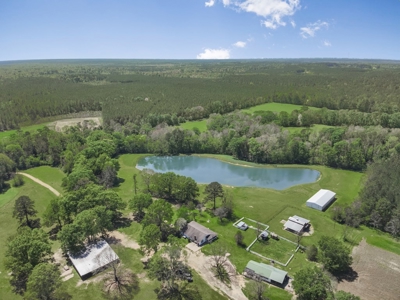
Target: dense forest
(128, 90)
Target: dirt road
(201, 263)
(53, 190)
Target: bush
(312, 253)
(18, 180)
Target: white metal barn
(96, 258)
(321, 199)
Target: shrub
(312, 253)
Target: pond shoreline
(208, 168)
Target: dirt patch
(309, 231)
(59, 258)
(116, 237)
(375, 274)
(201, 263)
(89, 123)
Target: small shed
(265, 272)
(199, 234)
(97, 257)
(292, 226)
(321, 199)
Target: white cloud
(214, 54)
(293, 23)
(310, 29)
(273, 11)
(210, 3)
(327, 43)
(240, 44)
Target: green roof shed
(266, 271)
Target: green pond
(206, 170)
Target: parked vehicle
(242, 226)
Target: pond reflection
(206, 170)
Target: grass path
(53, 190)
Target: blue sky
(190, 29)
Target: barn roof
(322, 197)
(293, 226)
(95, 256)
(267, 271)
(197, 230)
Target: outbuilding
(292, 226)
(199, 234)
(97, 257)
(265, 272)
(321, 200)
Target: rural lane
(53, 190)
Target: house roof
(322, 197)
(267, 271)
(197, 230)
(95, 256)
(293, 226)
(299, 220)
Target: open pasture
(276, 107)
(200, 125)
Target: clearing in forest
(91, 122)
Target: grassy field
(6, 134)
(276, 107)
(279, 250)
(201, 125)
(9, 225)
(264, 205)
(271, 206)
(49, 175)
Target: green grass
(272, 292)
(279, 250)
(8, 133)
(9, 225)
(201, 125)
(6, 197)
(49, 175)
(276, 107)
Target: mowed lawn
(276, 107)
(9, 225)
(201, 125)
(49, 175)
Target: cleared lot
(376, 274)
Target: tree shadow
(350, 276)
(122, 222)
(53, 232)
(118, 181)
(4, 187)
